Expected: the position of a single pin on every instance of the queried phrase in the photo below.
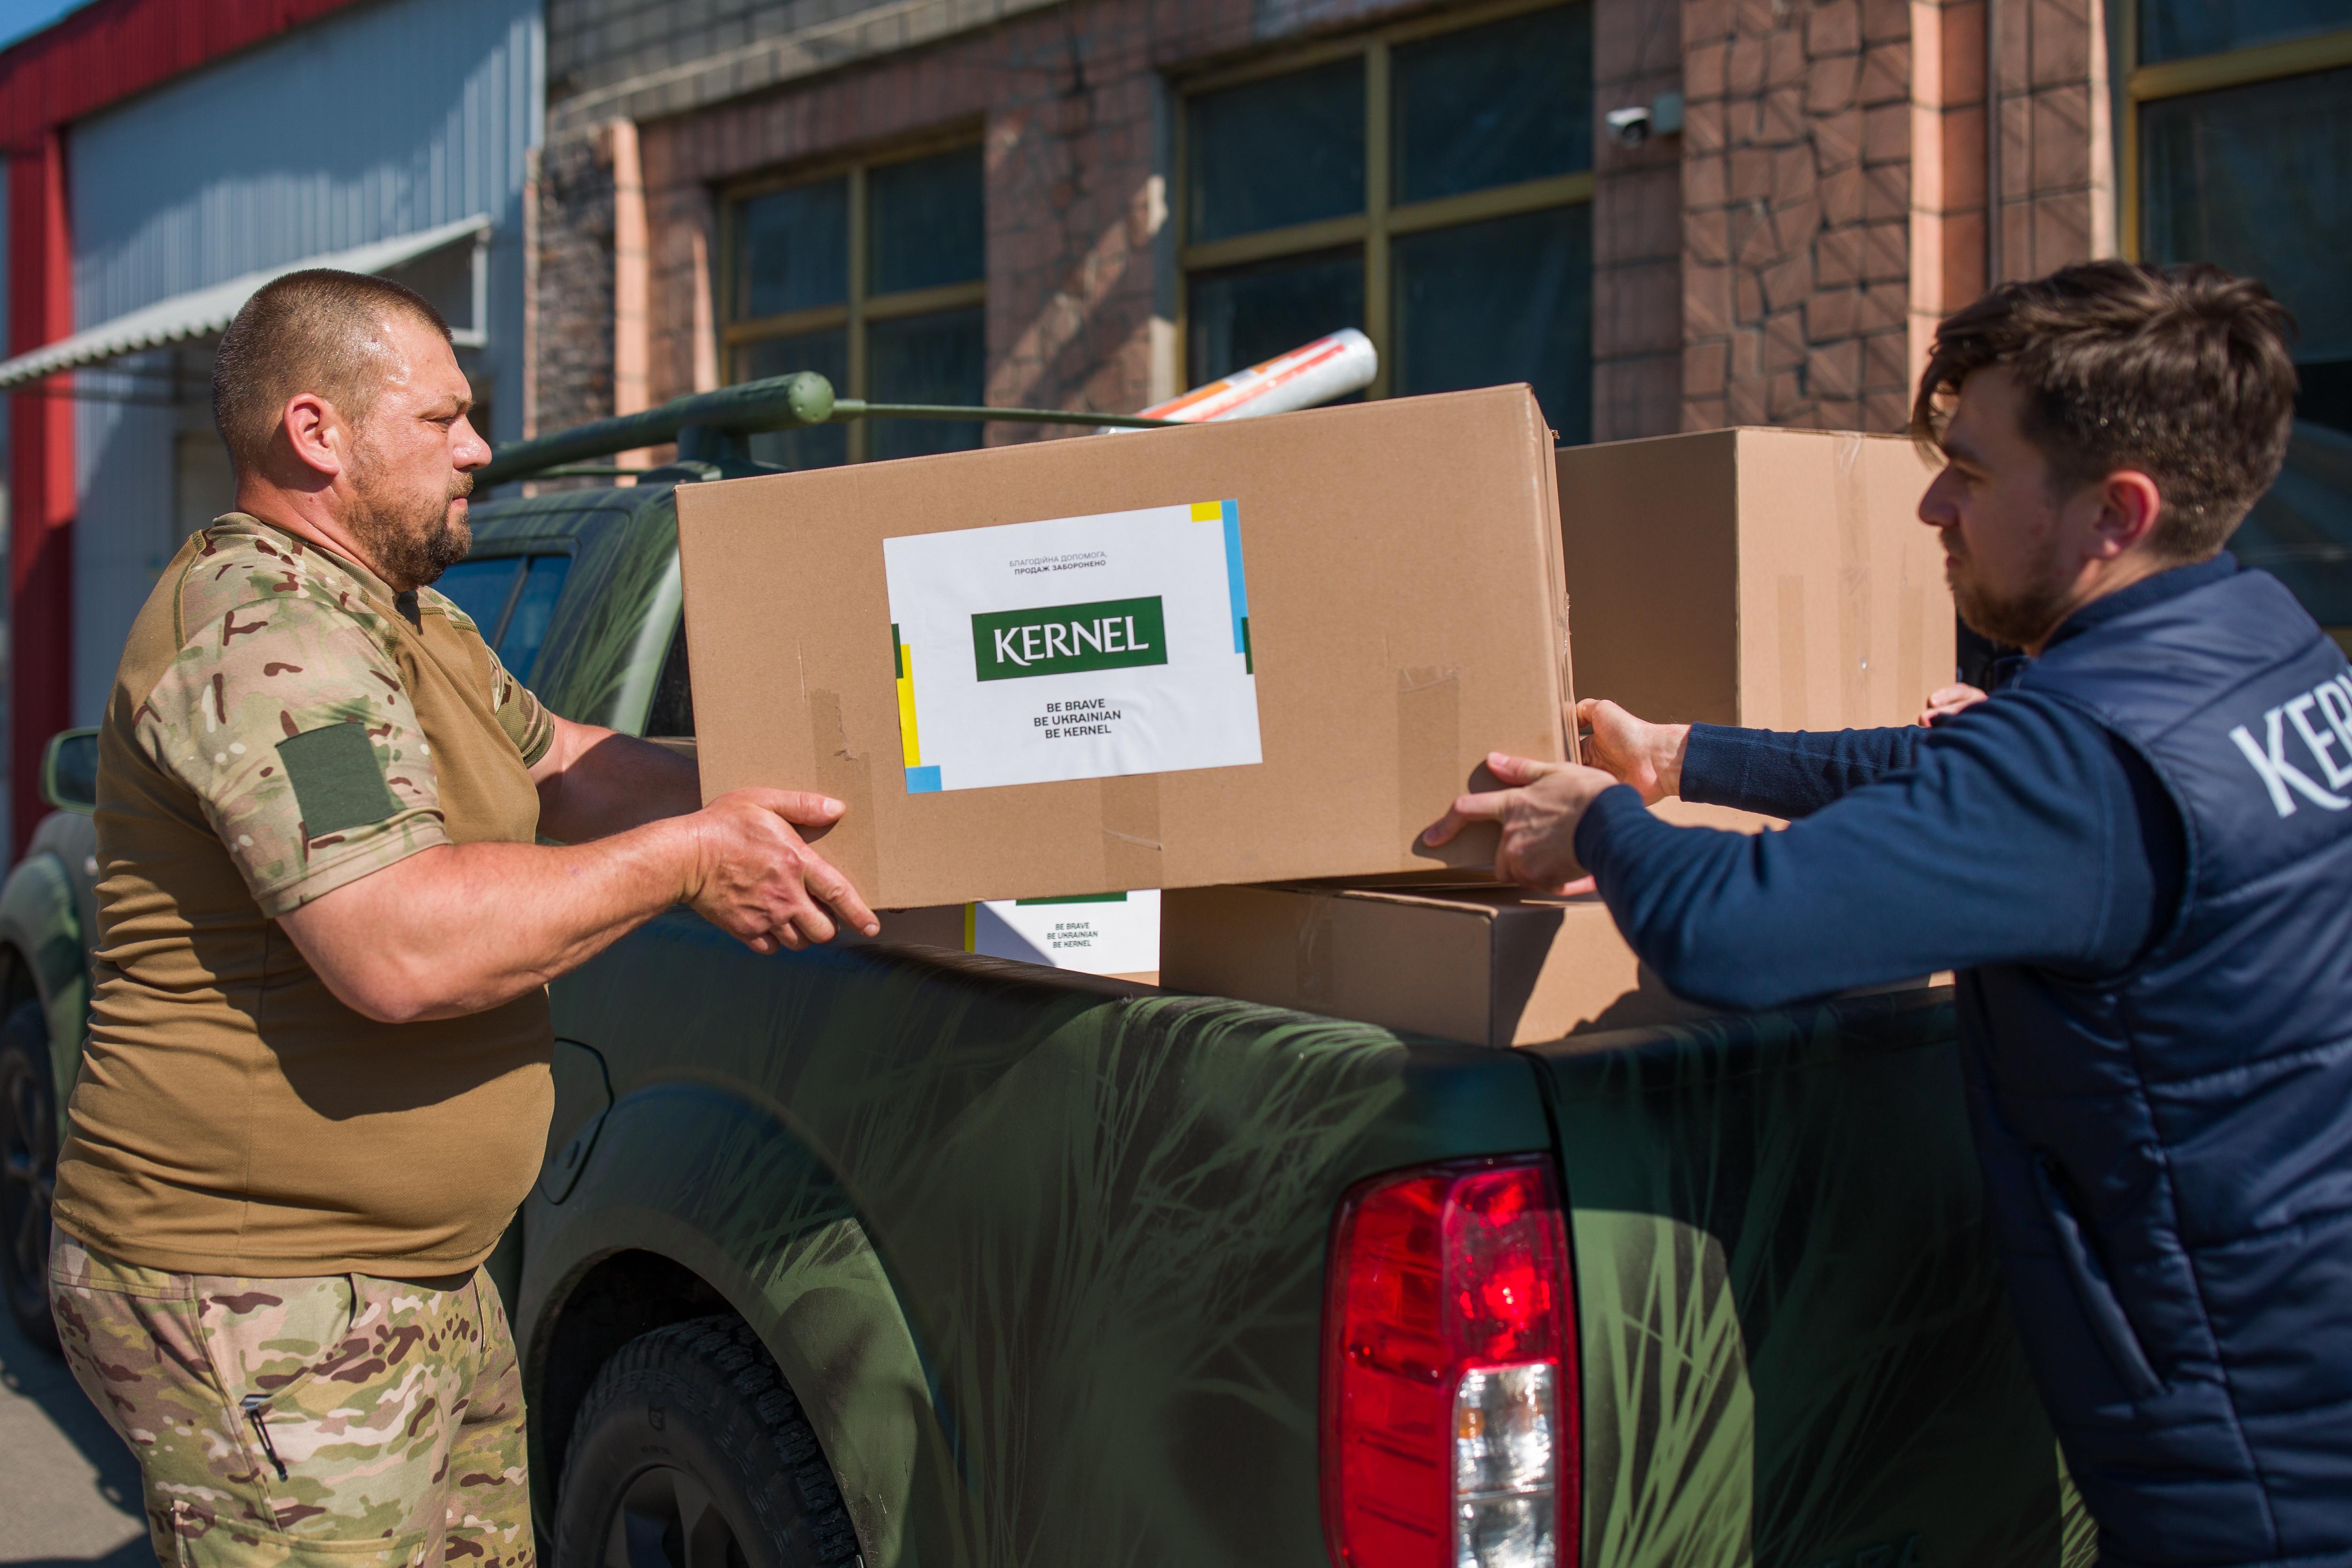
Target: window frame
(856, 313)
(2146, 84)
(1382, 222)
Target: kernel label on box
(1075, 648)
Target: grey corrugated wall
(374, 122)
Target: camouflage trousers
(338, 1422)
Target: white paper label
(1113, 934)
(1079, 647)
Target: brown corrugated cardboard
(1489, 965)
(1780, 579)
(1404, 614)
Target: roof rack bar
(779, 402)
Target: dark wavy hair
(2181, 372)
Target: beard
(412, 539)
(2020, 619)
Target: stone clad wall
(1797, 192)
(1833, 187)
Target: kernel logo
(1113, 634)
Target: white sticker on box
(1103, 933)
(1078, 647)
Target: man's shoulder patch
(337, 780)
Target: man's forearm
(463, 927)
(1789, 774)
(596, 783)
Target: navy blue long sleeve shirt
(2017, 831)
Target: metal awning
(200, 312)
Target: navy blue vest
(2169, 1157)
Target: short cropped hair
(2179, 371)
(306, 331)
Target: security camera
(1636, 123)
(1629, 127)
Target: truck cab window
(511, 598)
(672, 713)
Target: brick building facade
(1781, 261)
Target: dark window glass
(940, 358)
(526, 626)
(1286, 150)
(672, 712)
(2174, 29)
(827, 354)
(2259, 179)
(483, 589)
(1505, 301)
(792, 250)
(1243, 315)
(1494, 105)
(923, 222)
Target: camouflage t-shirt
(283, 712)
(281, 725)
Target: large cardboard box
(1779, 579)
(1280, 647)
(1488, 965)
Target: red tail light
(1449, 1372)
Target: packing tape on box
(1314, 958)
(1131, 832)
(849, 779)
(1854, 584)
(1429, 746)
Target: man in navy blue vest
(2138, 854)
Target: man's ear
(315, 433)
(2129, 505)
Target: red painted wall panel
(107, 52)
(96, 56)
(41, 478)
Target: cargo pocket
(2093, 1293)
(226, 1546)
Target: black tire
(28, 1170)
(690, 1451)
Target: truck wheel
(691, 1452)
(28, 1170)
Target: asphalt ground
(68, 1489)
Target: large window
(1431, 183)
(871, 275)
(2239, 150)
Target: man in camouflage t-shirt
(316, 1087)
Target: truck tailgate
(1796, 1347)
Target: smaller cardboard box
(1483, 964)
(1486, 965)
(1776, 579)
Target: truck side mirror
(69, 771)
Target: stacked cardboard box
(1271, 653)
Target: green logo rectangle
(1113, 634)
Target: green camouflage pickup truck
(896, 1254)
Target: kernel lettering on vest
(2328, 741)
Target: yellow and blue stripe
(1229, 513)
